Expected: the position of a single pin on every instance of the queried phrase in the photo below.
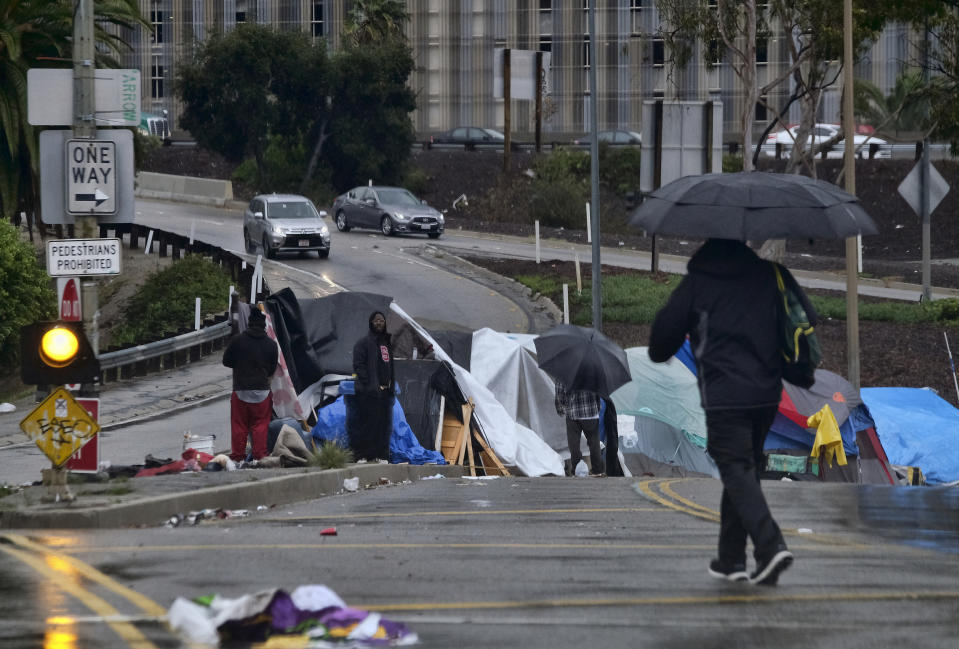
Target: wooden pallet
(455, 441)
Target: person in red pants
(253, 357)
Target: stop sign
(69, 295)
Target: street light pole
(849, 165)
(594, 173)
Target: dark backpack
(800, 347)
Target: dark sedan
(391, 210)
(469, 136)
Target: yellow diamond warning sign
(59, 426)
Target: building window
(762, 51)
(156, 21)
(635, 5)
(761, 113)
(240, 11)
(659, 51)
(156, 79)
(545, 5)
(316, 19)
(714, 51)
(545, 43)
(586, 52)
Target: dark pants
(590, 428)
(249, 419)
(735, 442)
(369, 425)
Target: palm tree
(37, 34)
(903, 110)
(374, 21)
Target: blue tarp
(404, 447)
(917, 428)
(785, 433)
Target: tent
(662, 424)
(317, 337)
(918, 428)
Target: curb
(297, 485)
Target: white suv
(285, 223)
(823, 133)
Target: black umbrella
(582, 359)
(754, 206)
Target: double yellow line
(68, 574)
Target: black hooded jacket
(371, 370)
(253, 357)
(728, 303)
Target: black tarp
(421, 403)
(317, 335)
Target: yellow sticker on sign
(59, 426)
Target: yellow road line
(145, 604)
(756, 598)
(335, 545)
(686, 506)
(464, 512)
(48, 567)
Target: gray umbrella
(582, 359)
(754, 206)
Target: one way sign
(91, 177)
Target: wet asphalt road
(524, 562)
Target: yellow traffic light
(59, 346)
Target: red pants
(249, 419)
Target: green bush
(330, 456)
(619, 169)
(166, 301)
(732, 163)
(558, 205)
(26, 294)
(416, 180)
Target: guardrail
(163, 354)
(185, 347)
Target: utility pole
(924, 183)
(84, 127)
(849, 165)
(594, 173)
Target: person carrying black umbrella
(728, 304)
(581, 410)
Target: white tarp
(513, 442)
(506, 365)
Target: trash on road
(7, 407)
(311, 612)
(351, 484)
(329, 531)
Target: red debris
(330, 531)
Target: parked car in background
(469, 135)
(823, 133)
(391, 210)
(285, 223)
(626, 138)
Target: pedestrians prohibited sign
(66, 257)
(91, 177)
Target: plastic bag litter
(7, 407)
(312, 612)
(351, 484)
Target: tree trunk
(314, 159)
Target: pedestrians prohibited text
(91, 177)
(67, 257)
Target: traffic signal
(56, 353)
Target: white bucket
(202, 443)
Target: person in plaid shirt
(581, 409)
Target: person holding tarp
(369, 422)
(728, 303)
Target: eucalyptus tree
(374, 21)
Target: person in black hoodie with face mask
(370, 423)
(728, 303)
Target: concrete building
(454, 40)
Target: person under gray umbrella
(729, 304)
(585, 366)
